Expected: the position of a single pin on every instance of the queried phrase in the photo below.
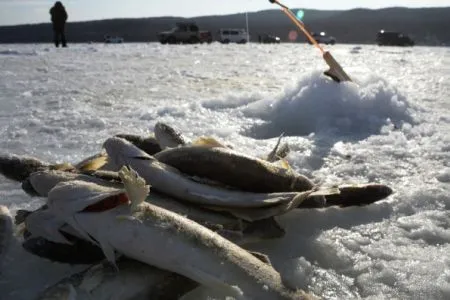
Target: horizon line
(229, 14)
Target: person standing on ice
(59, 18)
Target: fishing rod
(336, 72)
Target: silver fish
(233, 228)
(40, 183)
(161, 238)
(170, 181)
(234, 169)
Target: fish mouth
(161, 127)
(28, 187)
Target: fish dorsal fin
(135, 186)
(271, 157)
(207, 141)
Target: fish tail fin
(135, 186)
(94, 163)
(208, 142)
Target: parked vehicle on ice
(230, 35)
(323, 38)
(391, 38)
(185, 33)
(269, 39)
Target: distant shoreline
(427, 26)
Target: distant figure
(59, 18)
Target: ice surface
(392, 127)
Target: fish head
(121, 152)
(167, 136)
(40, 183)
(18, 168)
(69, 198)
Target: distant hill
(427, 26)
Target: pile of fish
(157, 216)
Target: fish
(19, 168)
(234, 169)
(161, 238)
(168, 180)
(232, 227)
(134, 280)
(41, 182)
(358, 194)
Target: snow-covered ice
(391, 127)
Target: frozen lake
(391, 127)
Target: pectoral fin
(135, 186)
